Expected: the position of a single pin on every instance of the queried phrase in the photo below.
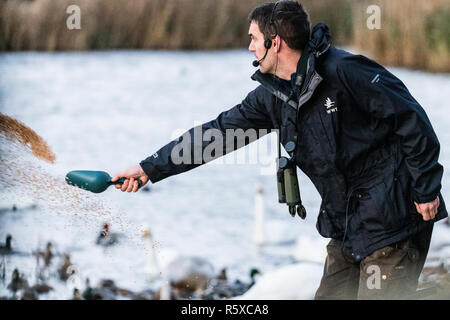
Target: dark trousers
(391, 272)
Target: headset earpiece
(268, 42)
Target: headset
(268, 41)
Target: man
(361, 138)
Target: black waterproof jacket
(362, 139)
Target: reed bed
(413, 34)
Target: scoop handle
(122, 180)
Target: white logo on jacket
(376, 79)
(330, 105)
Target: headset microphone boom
(268, 42)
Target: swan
(258, 231)
(152, 269)
(165, 292)
(281, 233)
(310, 249)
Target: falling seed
(18, 131)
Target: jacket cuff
(153, 174)
(425, 198)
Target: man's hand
(132, 174)
(428, 210)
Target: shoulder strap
(270, 84)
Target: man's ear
(277, 43)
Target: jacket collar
(301, 83)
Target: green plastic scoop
(94, 181)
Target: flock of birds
(18, 282)
(183, 278)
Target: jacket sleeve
(211, 140)
(379, 92)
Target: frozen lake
(109, 110)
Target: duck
(253, 273)
(6, 248)
(41, 272)
(18, 282)
(109, 285)
(63, 270)
(76, 295)
(106, 237)
(47, 255)
(41, 288)
(90, 293)
(29, 294)
(239, 287)
(290, 282)
(222, 275)
(87, 293)
(32, 293)
(107, 290)
(220, 288)
(187, 277)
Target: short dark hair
(290, 19)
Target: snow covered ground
(108, 110)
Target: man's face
(257, 47)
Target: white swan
(310, 249)
(279, 232)
(258, 231)
(165, 292)
(152, 269)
